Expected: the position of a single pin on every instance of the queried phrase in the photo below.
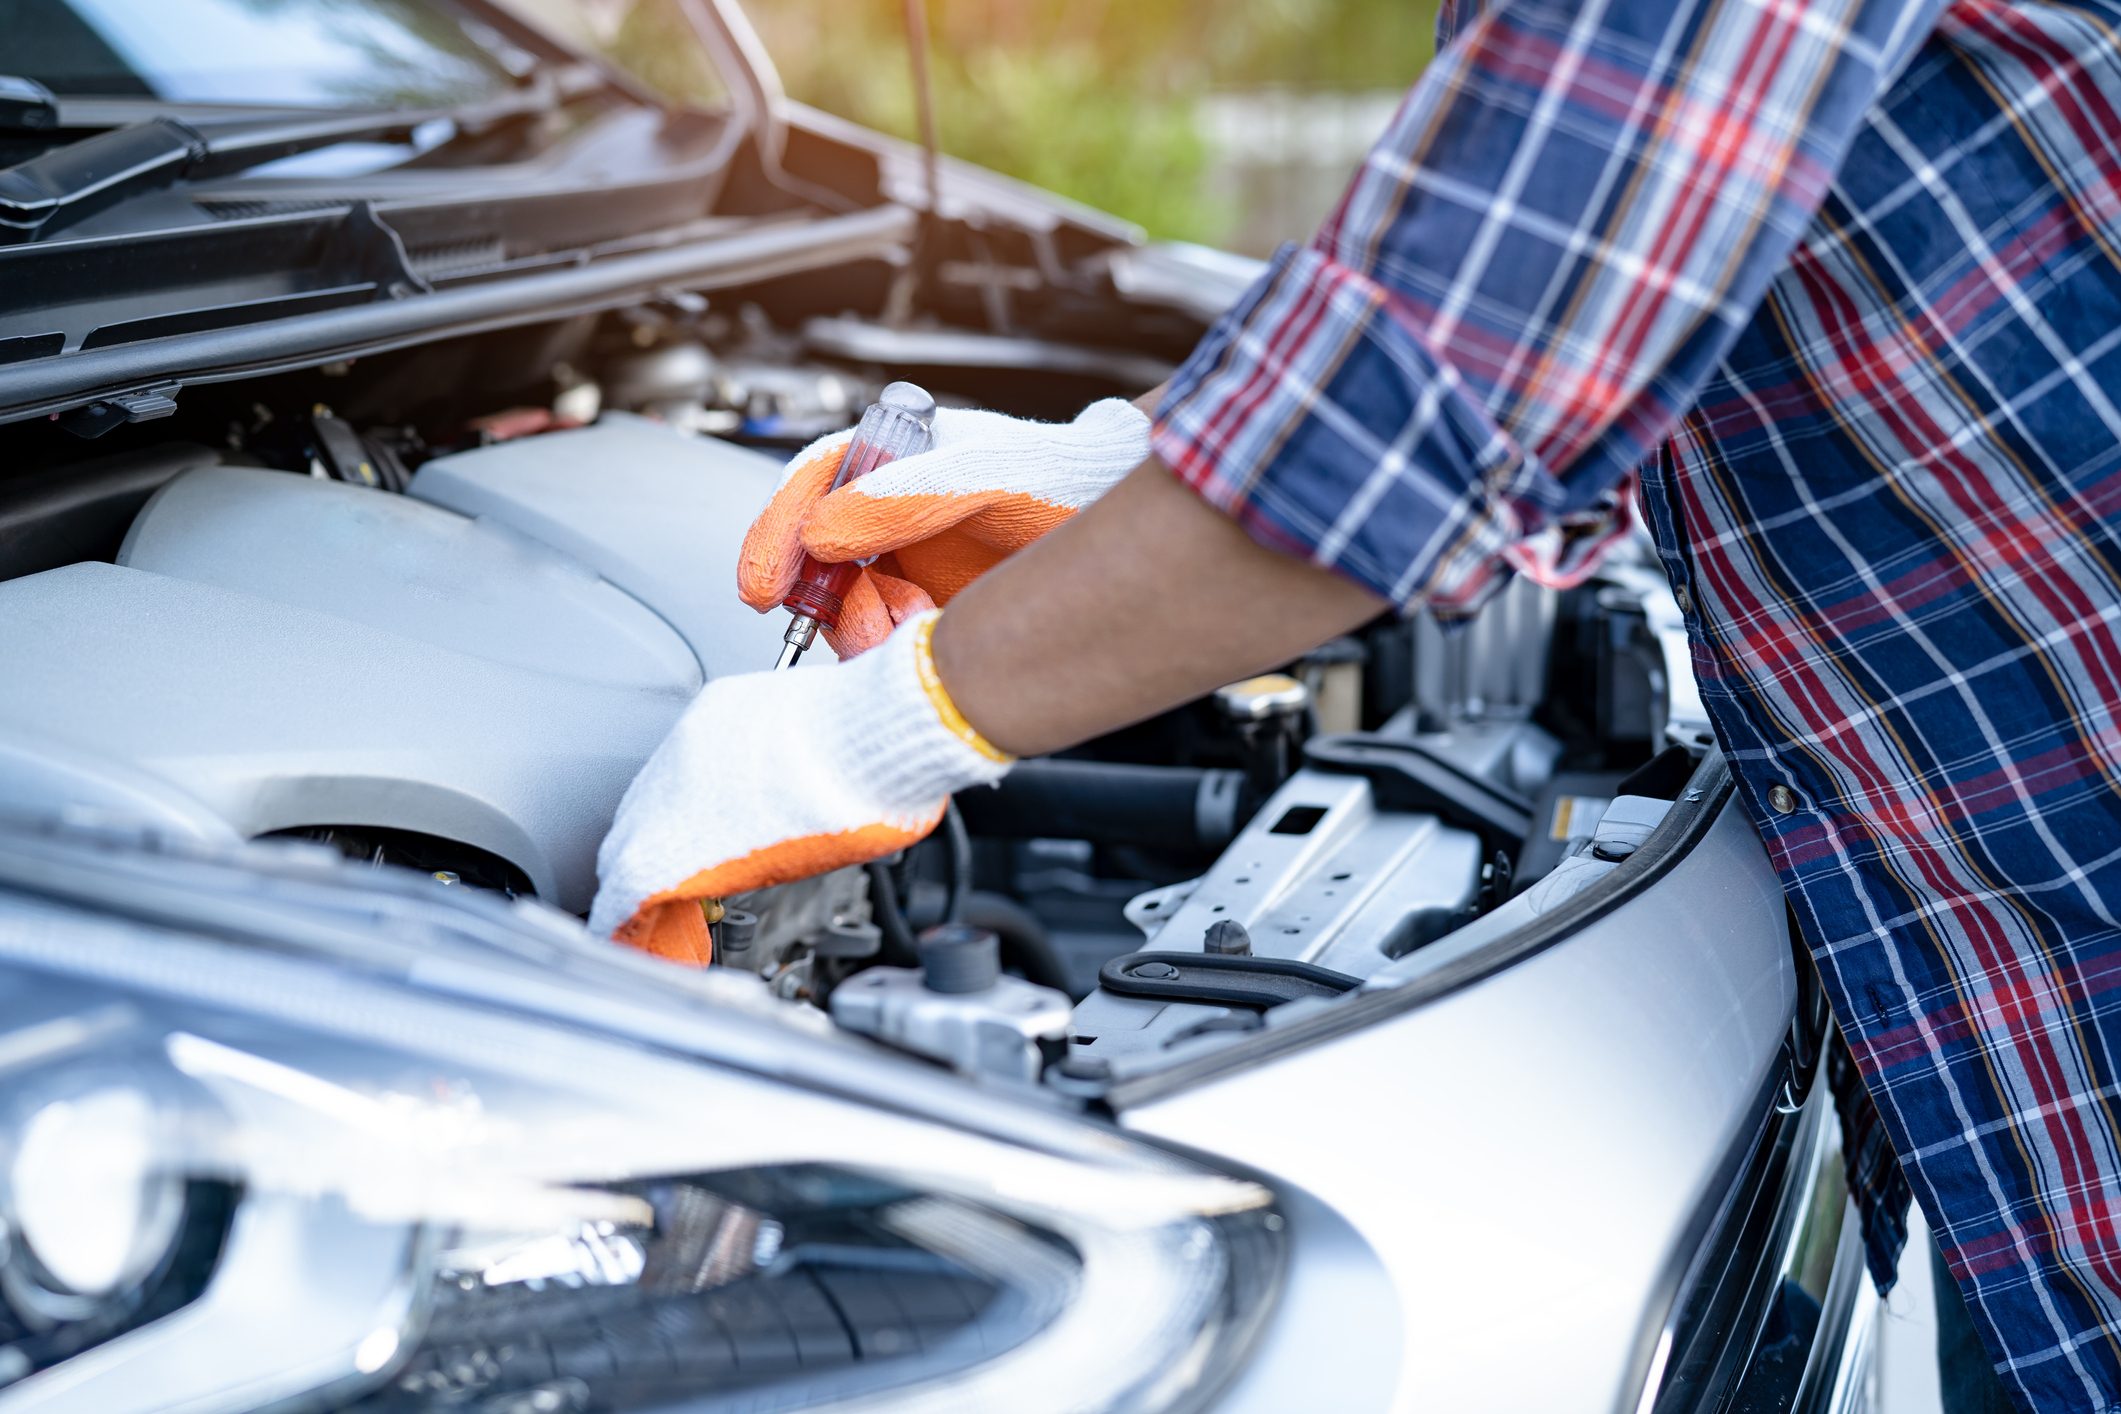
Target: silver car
(1418, 1027)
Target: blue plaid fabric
(1852, 268)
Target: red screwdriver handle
(821, 589)
(899, 424)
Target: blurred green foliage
(656, 44)
(1055, 117)
(1099, 100)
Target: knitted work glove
(770, 777)
(991, 485)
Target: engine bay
(434, 609)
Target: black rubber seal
(1219, 979)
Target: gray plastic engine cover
(658, 512)
(271, 716)
(277, 651)
(408, 568)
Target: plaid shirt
(1842, 279)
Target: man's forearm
(1147, 599)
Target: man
(1842, 280)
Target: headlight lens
(93, 1204)
(230, 1179)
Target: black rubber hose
(957, 855)
(1025, 945)
(899, 948)
(1108, 803)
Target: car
(385, 389)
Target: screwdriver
(900, 423)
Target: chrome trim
(1837, 1376)
(1810, 1243)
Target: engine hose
(899, 948)
(1025, 944)
(958, 855)
(1160, 807)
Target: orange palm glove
(935, 522)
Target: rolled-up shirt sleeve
(1565, 226)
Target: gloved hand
(991, 485)
(770, 777)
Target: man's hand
(1146, 600)
(991, 486)
(770, 777)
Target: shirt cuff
(1317, 416)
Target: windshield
(307, 53)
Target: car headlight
(229, 1178)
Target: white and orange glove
(770, 777)
(991, 485)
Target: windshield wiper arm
(26, 106)
(56, 188)
(68, 183)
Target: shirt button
(1686, 600)
(1783, 799)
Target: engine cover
(489, 659)
(660, 514)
